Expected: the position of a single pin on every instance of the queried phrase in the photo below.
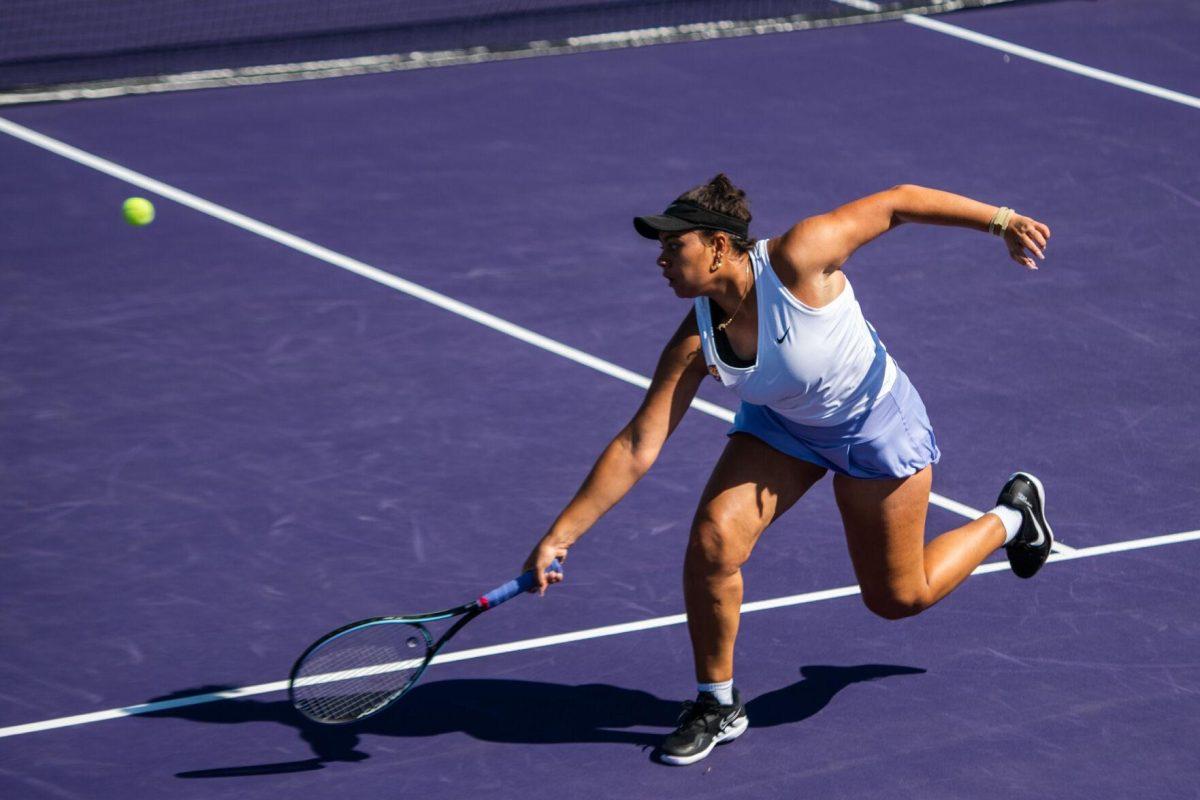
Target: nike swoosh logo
(785, 333)
(728, 722)
(1041, 540)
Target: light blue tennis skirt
(893, 440)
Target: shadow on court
(500, 711)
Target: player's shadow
(511, 711)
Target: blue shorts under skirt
(893, 440)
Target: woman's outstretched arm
(631, 453)
(824, 242)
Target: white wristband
(999, 223)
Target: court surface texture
(383, 325)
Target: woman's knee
(717, 547)
(896, 602)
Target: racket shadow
(497, 710)
(488, 710)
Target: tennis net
(67, 49)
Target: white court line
(566, 638)
(861, 5)
(379, 276)
(1030, 54)
(338, 260)
(1053, 61)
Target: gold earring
(716, 265)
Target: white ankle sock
(723, 691)
(1011, 518)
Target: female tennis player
(777, 322)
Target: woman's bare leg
(899, 573)
(751, 485)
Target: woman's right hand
(546, 551)
(1026, 238)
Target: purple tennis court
(384, 323)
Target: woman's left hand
(1025, 238)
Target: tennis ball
(138, 211)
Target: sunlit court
(315, 313)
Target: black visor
(685, 216)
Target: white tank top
(815, 366)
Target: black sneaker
(703, 724)
(1028, 551)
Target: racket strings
(358, 672)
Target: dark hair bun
(723, 187)
(719, 194)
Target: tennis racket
(362, 668)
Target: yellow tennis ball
(138, 211)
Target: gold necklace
(725, 324)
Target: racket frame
(465, 613)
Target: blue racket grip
(519, 585)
